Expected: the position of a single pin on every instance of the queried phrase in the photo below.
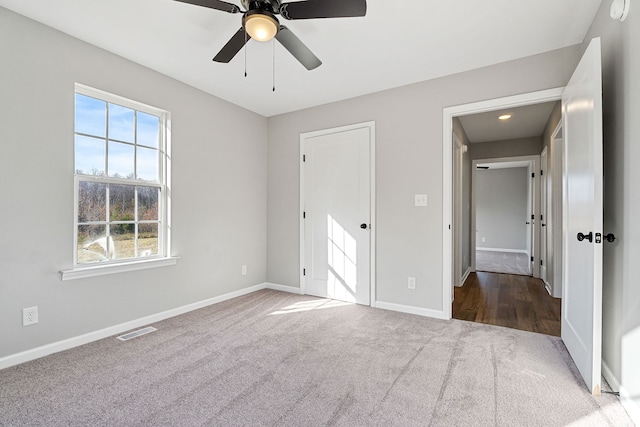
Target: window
(121, 164)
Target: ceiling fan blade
(214, 4)
(297, 48)
(323, 9)
(232, 47)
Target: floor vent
(137, 333)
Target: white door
(543, 215)
(582, 285)
(337, 213)
(530, 219)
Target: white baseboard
(512, 251)
(283, 288)
(632, 407)
(45, 350)
(464, 277)
(437, 314)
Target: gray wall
(219, 190)
(501, 208)
(507, 148)
(409, 160)
(621, 104)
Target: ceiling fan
(259, 22)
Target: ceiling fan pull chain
(273, 43)
(245, 54)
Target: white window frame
(164, 229)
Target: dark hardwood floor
(519, 302)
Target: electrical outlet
(411, 283)
(244, 270)
(29, 316)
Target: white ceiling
(397, 43)
(525, 122)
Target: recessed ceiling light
(504, 117)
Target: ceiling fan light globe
(261, 27)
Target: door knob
(543, 225)
(363, 226)
(589, 237)
(610, 238)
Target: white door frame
(557, 140)
(448, 114)
(544, 217)
(457, 211)
(533, 164)
(372, 242)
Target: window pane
(120, 123)
(92, 202)
(92, 244)
(124, 240)
(90, 156)
(147, 164)
(91, 116)
(148, 203)
(148, 129)
(147, 240)
(120, 160)
(121, 203)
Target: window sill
(101, 270)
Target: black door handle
(589, 237)
(543, 225)
(363, 226)
(610, 238)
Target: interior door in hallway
(337, 213)
(543, 215)
(582, 219)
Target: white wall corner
(426, 312)
(608, 375)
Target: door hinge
(541, 217)
(531, 259)
(541, 172)
(304, 271)
(533, 174)
(533, 216)
(304, 158)
(449, 226)
(304, 215)
(541, 262)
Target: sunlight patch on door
(342, 269)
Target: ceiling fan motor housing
(272, 6)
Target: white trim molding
(100, 270)
(510, 251)
(448, 114)
(425, 312)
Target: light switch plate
(420, 200)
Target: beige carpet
(271, 359)
(503, 262)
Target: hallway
(519, 302)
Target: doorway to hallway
(512, 301)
